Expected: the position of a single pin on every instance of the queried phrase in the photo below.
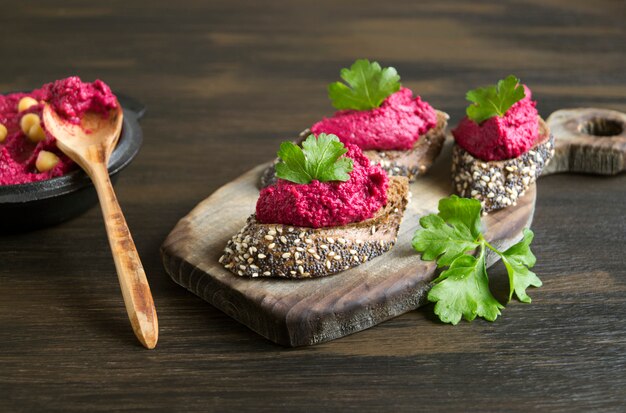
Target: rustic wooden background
(224, 82)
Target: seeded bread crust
(498, 184)
(411, 163)
(277, 250)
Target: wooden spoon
(90, 145)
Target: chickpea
(36, 133)
(46, 161)
(3, 132)
(28, 121)
(25, 103)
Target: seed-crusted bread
(411, 163)
(498, 184)
(277, 250)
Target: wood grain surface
(304, 312)
(225, 82)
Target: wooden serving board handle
(588, 140)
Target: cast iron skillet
(39, 204)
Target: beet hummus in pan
(28, 153)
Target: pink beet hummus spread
(326, 204)
(499, 138)
(70, 98)
(396, 124)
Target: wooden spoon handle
(130, 272)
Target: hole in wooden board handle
(588, 140)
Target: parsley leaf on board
(457, 211)
(517, 260)
(319, 159)
(462, 290)
(442, 242)
(494, 100)
(367, 86)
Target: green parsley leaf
(493, 100)
(293, 164)
(463, 290)
(319, 159)
(368, 85)
(517, 260)
(461, 212)
(441, 241)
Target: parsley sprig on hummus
(463, 289)
(367, 86)
(319, 159)
(494, 100)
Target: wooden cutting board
(310, 311)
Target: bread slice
(411, 163)
(277, 250)
(498, 184)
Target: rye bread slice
(411, 163)
(277, 250)
(498, 184)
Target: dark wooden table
(224, 82)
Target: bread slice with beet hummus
(498, 156)
(280, 250)
(498, 184)
(417, 160)
(330, 210)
